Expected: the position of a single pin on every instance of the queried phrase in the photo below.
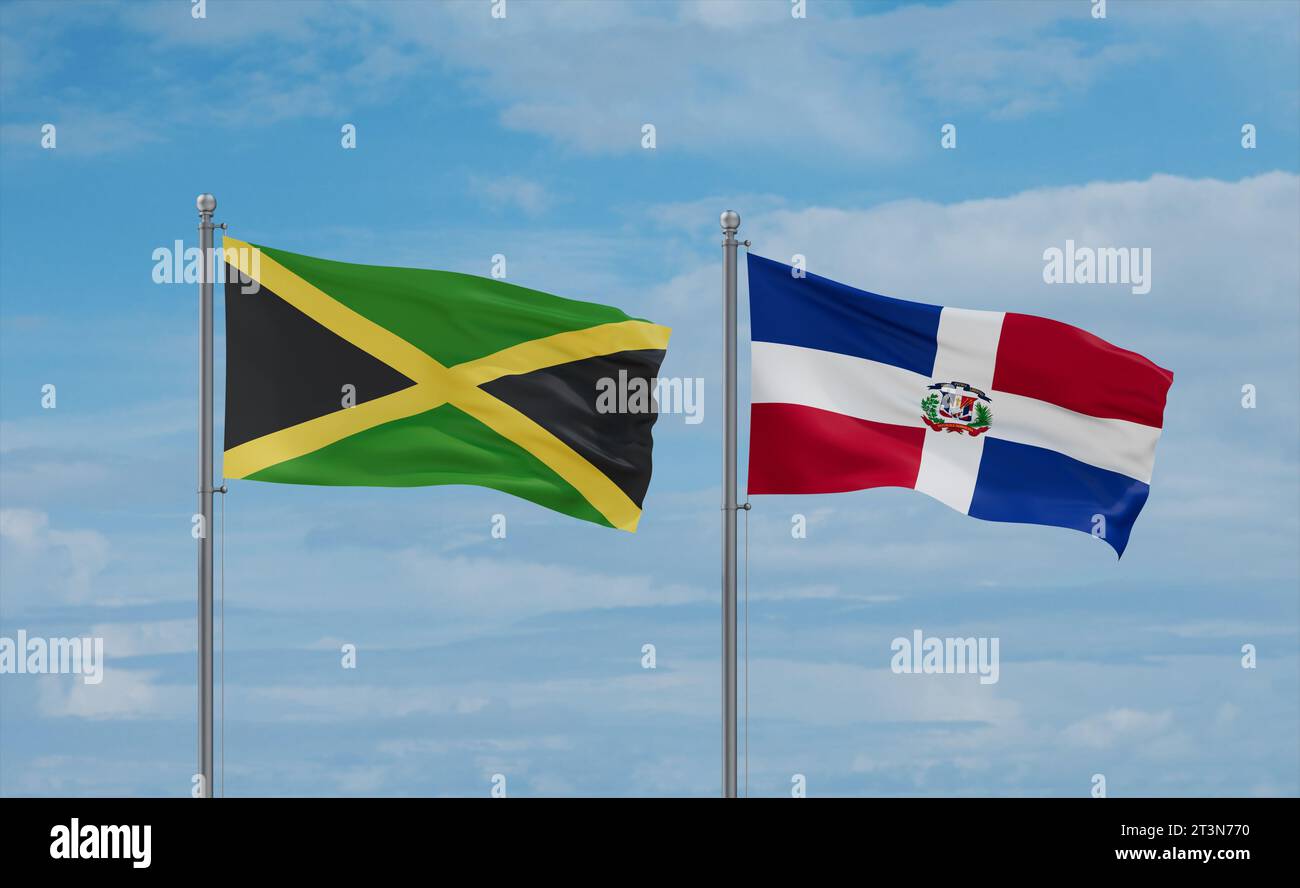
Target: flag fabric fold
(343, 374)
(999, 415)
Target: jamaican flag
(398, 377)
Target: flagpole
(206, 204)
(730, 224)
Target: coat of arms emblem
(957, 407)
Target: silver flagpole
(206, 204)
(730, 224)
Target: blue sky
(522, 136)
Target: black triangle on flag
(562, 399)
(283, 368)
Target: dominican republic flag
(1002, 416)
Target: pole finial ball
(730, 220)
(206, 203)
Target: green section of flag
(440, 446)
(451, 317)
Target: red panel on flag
(797, 449)
(1066, 366)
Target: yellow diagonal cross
(436, 384)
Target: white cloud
(46, 564)
(512, 192)
(1106, 729)
(710, 75)
(589, 75)
(1234, 629)
(484, 586)
(988, 253)
(123, 426)
(846, 693)
(123, 694)
(84, 131)
(705, 71)
(147, 638)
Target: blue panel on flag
(1033, 485)
(814, 312)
